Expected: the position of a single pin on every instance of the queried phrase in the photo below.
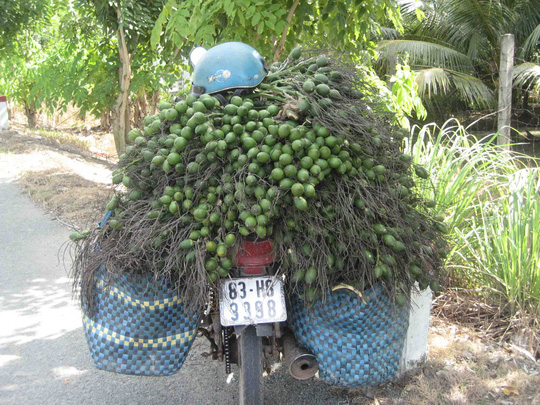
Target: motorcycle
(245, 322)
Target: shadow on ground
(44, 359)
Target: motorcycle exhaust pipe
(301, 363)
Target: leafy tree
(93, 83)
(58, 58)
(273, 27)
(128, 24)
(92, 54)
(29, 48)
(16, 15)
(454, 47)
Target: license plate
(247, 301)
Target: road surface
(44, 358)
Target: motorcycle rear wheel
(250, 367)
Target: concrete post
(505, 89)
(415, 348)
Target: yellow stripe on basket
(118, 338)
(135, 302)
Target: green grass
(502, 241)
(491, 204)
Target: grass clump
(502, 240)
(490, 203)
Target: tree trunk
(140, 106)
(391, 67)
(121, 109)
(281, 44)
(105, 120)
(137, 113)
(154, 102)
(31, 115)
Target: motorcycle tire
(250, 367)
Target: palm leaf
(530, 46)
(473, 90)
(528, 19)
(432, 82)
(477, 47)
(438, 81)
(387, 33)
(384, 33)
(455, 22)
(493, 18)
(410, 6)
(426, 54)
(527, 76)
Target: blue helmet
(231, 65)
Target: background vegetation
(454, 46)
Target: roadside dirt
(74, 185)
(71, 184)
(462, 369)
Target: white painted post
(4, 124)
(415, 348)
(505, 89)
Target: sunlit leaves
(341, 25)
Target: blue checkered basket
(357, 341)
(138, 327)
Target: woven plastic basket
(358, 342)
(138, 327)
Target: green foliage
(135, 17)
(405, 95)
(130, 24)
(94, 80)
(26, 81)
(502, 242)
(489, 200)
(345, 25)
(427, 54)
(64, 59)
(401, 99)
(16, 15)
(436, 83)
(527, 76)
(455, 47)
(62, 52)
(456, 159)
(97, 85)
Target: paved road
(44, 357)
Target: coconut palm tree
(454, 47)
